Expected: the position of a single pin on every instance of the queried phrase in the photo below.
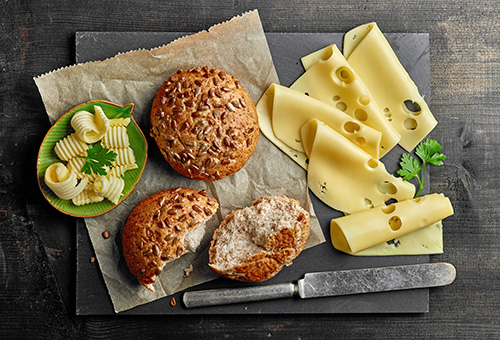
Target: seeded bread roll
(204, 123)
(163, 227)
(255, 243)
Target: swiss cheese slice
(291, 109)
(428, 240)
(371, 56)
(345, 177)
(333, 81)
(264, 111)
(356, 232)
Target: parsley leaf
(429, 151)
(410, 167)
(97, 158)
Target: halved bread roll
(255, 243)
(163, 227)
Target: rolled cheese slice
(345, 177)
(370, 55)
(89, 127)
(334, 82)
(353, 233)
(63, 182)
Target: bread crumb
(188, 271)
(92, 259)
(172, 302)
(105, 234)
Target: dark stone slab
(287, 49)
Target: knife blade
(334, 283)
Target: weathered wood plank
(37, 37)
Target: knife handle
(214, 297)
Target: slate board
(286, 48)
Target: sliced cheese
(264, 111)
(428, 240)
(371, 56)
(283, 111)
(333, 81)
(356, 232)
(345, 177)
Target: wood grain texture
(37, 37)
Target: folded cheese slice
(333, 81)
(372, 58)
(428, 240)
(345, 177)
(356, 232)
(283, 111)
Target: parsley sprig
(429, 151)
(97, 158)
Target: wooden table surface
(37, 244)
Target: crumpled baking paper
(238, 47)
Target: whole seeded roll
(163, 227)
(204, 123)
(255, 243)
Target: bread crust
(281, 248)
(155, 230)
(204, 123)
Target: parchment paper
(240, 48)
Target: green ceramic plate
(47, 156)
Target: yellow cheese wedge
(356, 232)
(345, 177)
(333, 81)
(371, 56)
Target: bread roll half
(163, 227)
(255, 243)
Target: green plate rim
(104, 206)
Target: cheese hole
(341, 106)
(395, 223)
(368, 203)
(351, 127)
(361, 141)
(307, 94)
(344, 74)
(372, 163)
(335, 98)
(389, 209)
(364, 100)
(410, 124)
(360, 115)
(388, 114)
(412, 107)
(387, 188)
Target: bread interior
(248, 231)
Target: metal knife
(335, 283)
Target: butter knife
(334, 283)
